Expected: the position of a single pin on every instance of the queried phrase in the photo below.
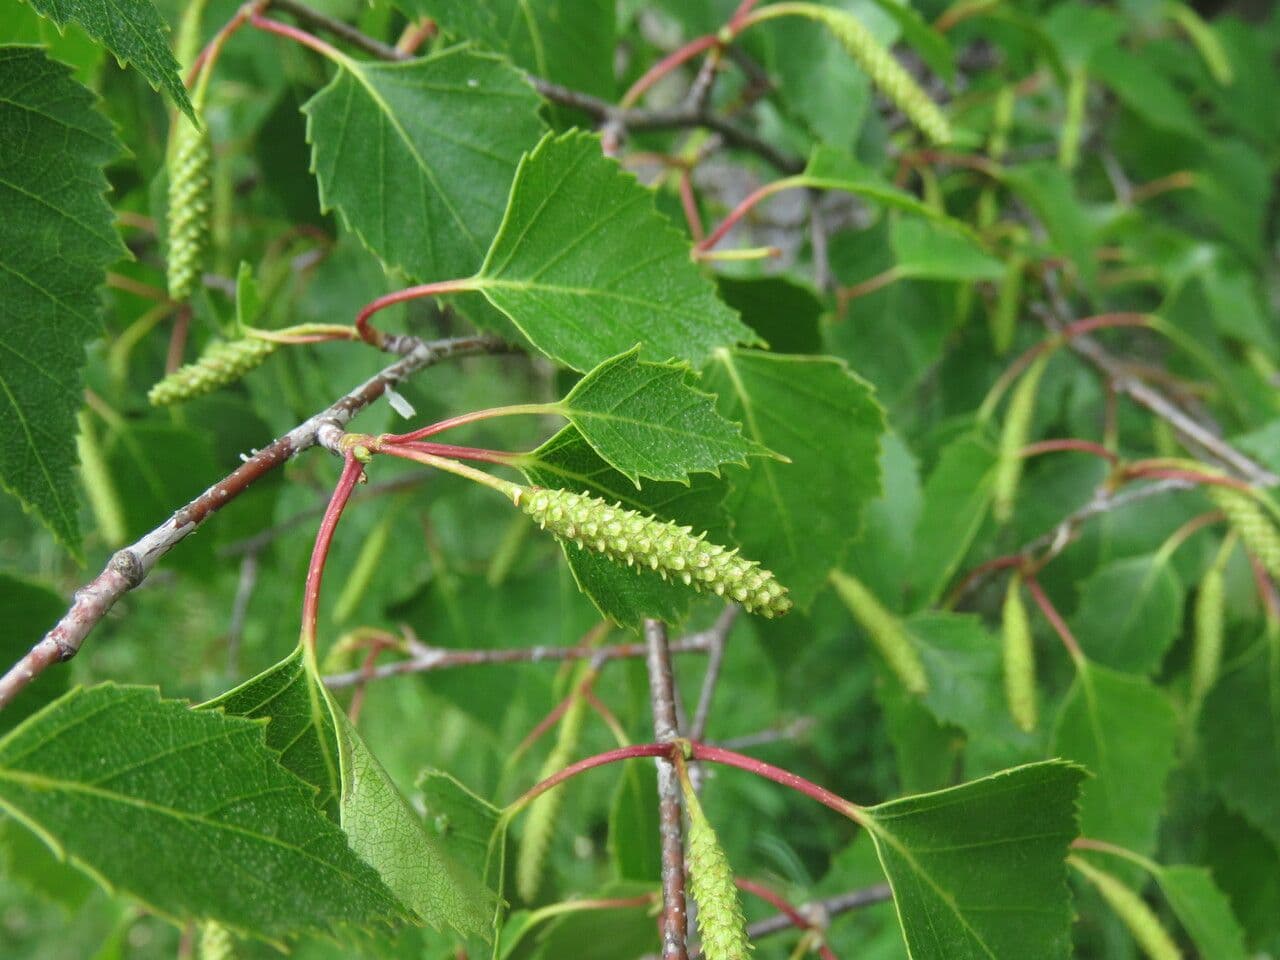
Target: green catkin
(99, 488)
(1004, 315)
(1247, 518)
(362, 573)
(1013, 437)
(886, 631)
(540, 824)
(1133, 911)
(721, 923)
(190, 205)
(1019, 657)
(672, 551)
(223, 362)
(1073, 120)
(1206, 651)
(216, 942)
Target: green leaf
(1122, 729)
(831, 169)
(1241, 727)
(56, 241)
(318, 743)
(927, 251)
(133, 30)
(384, 830)
(29, 611)
(647, 420)
(1130, 611)
(586, 267)
(785, 313)
(1203, 910)
(300, 728)
(956, 497)
(464, 821)
(798, 517)
(570, 42)
(186, 810)
(978, 871)
(418, 156)
(625, 595)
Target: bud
(223, 362)
(645, 541)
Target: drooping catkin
(1143, 924)
(886, 631)
(1013, 437)
(1019, 658)
(216, 942)
(540, 823)
(645, 541)
(190, 163)
(721, 923)
(223, 362)
(1210, 614)
(1247, 518)
(1004, 315)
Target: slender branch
(343, 31)
(129, 567)
(675, 918)
(434, 658)
(830, 907)
(717, 635)
(1055, 619)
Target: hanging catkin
(1133, 911)
(885, 630)
(1250, 521)
(1019, 658)
(721, 923)
(1013, 437)
(223, 362)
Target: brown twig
(128, 567)
(716, 636)
(675, 920)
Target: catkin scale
(1133, 911)
(223, 362)
(886, 631)
(1246, 517)
(721, 922)
(671, 551)
(1018, 654)
(1013, 437)
(190, 205)
(540, 824)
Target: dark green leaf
(422, 187)
(633, 825)
(56, 241)
(978, 871)
(1130, 611)
(648, 420)
(1204, 911)
(586, 268)
(927, 251)
(30, 610)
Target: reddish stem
(1139, 472)
(740, 14)
(178, 339)
(690, 204)
(375, 337)
(209, 55)
(665, 66)
(1266, 589)
(297, 35)
(700, 751)
(999, 563)
(868, 286)
(1055, 619)
(1082, 446)
(786, 908)
(451, 451)
(1104, 321)
(352, 471)
(742, 209)
(590, 763)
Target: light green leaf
(633, 823)
(956, 497)
(1203, 910)
(625, 595)
(56, 241)
(1130, 611)
(586, 268)
(647, 420)
(133, 30)
(928, 251)
(797, 518)
(832, 169)
(463, 821)
(423, 188)
(978, 871)
(1241, 727)
(186, 810)
(1122, 729)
